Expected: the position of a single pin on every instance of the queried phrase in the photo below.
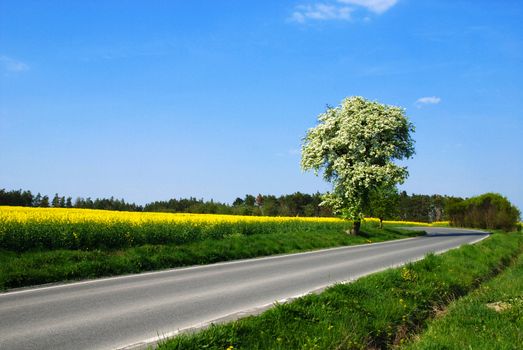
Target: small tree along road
(354, 145)
(383, 203)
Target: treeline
(406, 207)
(488, 211)
(399, 206)
(27, 199)
(296, 204)
(423, 208)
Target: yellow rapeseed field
(25, 228)
(73, 215)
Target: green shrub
(487, 211)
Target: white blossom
(354, 146)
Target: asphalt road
(117, 312)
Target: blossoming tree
(354, 146)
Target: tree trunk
(356, 228)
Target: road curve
(117, 312)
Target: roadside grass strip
(491, 317)
(19, 269)
(375, 312)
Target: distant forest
(415, 207)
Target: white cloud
(294, 152)
(11, 65)
(320, 12)
(377, 6)
(337, 9)
(428, 100)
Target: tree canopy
(354, 146)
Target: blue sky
(150, 100)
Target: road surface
(131, 310)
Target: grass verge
(19, 269)
(375, 312)
(491, 317)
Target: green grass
(469, 323)
(378, 311)
(19, 269)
